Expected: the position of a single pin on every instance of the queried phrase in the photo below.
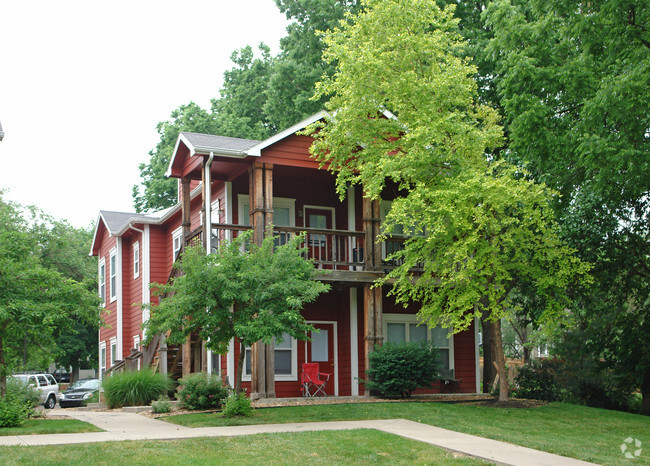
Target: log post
(186, 224)
(369, 326)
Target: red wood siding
(292, 150)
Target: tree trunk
(3, 370)
(501, 361)
(74, 374)
(489, 374)
(240, 366)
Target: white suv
(45, 384)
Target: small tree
(243, 291)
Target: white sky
(84, 83)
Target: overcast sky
(84, 83)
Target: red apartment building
(238, 184)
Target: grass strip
(589, 434)
(360, 446)
(49, 426)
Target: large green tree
(476, 226)
(243, 291)
(32, 296)
(573, 80)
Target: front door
(319, 244)
(320, 349)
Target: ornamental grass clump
(134, 388)
(200, 391)
(398, 369)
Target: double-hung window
(102, 280)
(400, 328)
(176, 242)
(112, 265)
(285, 357)
(136, 259)
(102, 357)
(113, 351)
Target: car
(61, 376)
(45, 384)
(79, 393)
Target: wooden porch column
(372, 229)
(186, 224)
(260, 183)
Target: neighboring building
(239, 184)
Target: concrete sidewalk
(129, 426)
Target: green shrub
(536, 381)
(134, 388)
(13, 412)
(237, 404)
(398, 369)
(200, 391)
(162, 405)
(23, 393)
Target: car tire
(50, 403)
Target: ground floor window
(286, 359)
(102, 357)
(113, 351)
(400, 328)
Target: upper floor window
(102, 280)
(176, 242)
(112, 265)
(136, 259)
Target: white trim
(146, 274)
(354, 343)
(101, 281)
(336, 350)
(256, 150)
(112, 264)
(136, 345)
(244, 200)
(230, 363)
(113, 358)
(207, 204)
(120, 313)
(476, 356)
(177, 234)
(413, 318)
(136, 259)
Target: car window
(42, 381)
(50, 379)
(32, 381)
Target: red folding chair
(310, 380)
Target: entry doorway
(322, 348)
(320, 244)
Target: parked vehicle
(45, 384)
(79, 393)
(61, 376)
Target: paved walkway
(129, 426)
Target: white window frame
(176, 235)
(112, 266)
(101, 285)
(136, 259)
(293, 377)
(113, 346)
(244, 200)
(136, 345)
(408, 319)
(102, 357)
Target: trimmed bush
(237, 404)
(134, 388)
(201, 392)
(398, 369)
(536, 381)
(23, 393)
(162, 405)
(13, 412)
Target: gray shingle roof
(115, 221)
(219, 142)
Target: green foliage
(243, 291)
(13, 412)
(536, 381)
(134, 388)
(35, 299)
(398, 369)
(201, 391)
(22, 393)
(237, 404)
(161, 405)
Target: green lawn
(589, 434)
(50, 426)
(337, 447)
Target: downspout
(208, 230)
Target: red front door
(319, 244)
(320, 349)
